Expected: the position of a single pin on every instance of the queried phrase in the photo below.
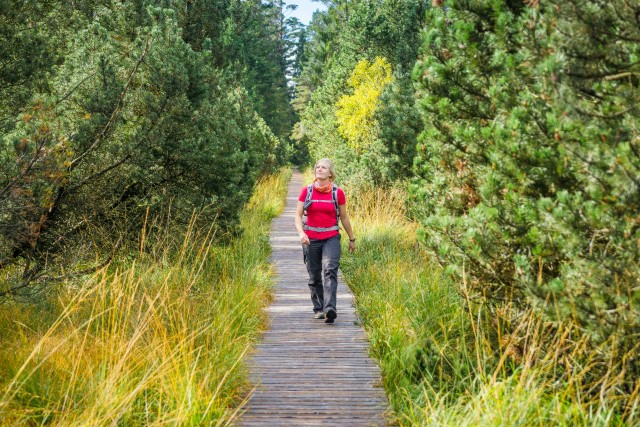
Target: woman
(320, 237)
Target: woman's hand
(304, 239)
(346, 223)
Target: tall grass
(450, 361)
(158, 338)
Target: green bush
(136, 123)
(530, 158)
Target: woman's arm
(304, 239)
(346, 223)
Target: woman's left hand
(352, 246)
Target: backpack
(308, 201)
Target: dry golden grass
(159, 340)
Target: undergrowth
(157, 338)
(449, 361)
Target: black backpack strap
(307, 199)
(334, 196)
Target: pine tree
(347, 33)
(529, 158)
(132, 122)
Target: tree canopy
(515, 126)
(113, 111)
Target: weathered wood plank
(307, 372)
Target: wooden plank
(307, 372)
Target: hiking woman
(320, 237)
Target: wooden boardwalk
(307, 372)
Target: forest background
(505, 133)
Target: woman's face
(322, 171)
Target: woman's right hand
(304, 239)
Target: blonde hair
(329, 166)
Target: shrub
(530, 159)
(138, 123)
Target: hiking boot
(330, 316)
(319, 315)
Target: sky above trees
(305, 9)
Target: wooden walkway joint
(307, 372)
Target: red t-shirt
(322, 214)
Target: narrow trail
(309, 373)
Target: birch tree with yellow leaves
(355, 113)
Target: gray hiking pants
(322, 258)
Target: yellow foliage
(355, 113)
